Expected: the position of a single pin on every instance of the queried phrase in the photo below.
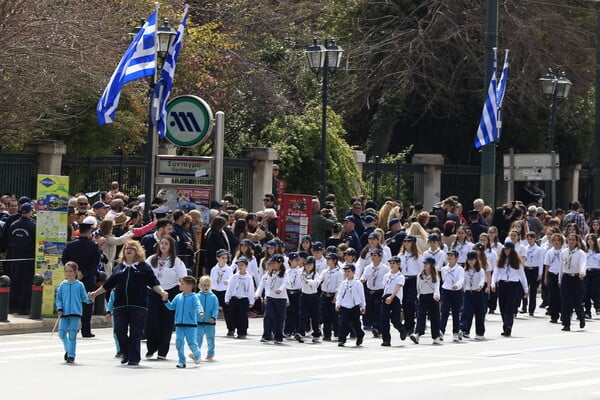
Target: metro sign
(189, 121)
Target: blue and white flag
(139, 61)
(162, 90)
(489, 124)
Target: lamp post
(165, 35)
(555, 88)
(323, 60)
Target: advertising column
(294, 219)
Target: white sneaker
(460, 335)
(316, 340)
(465, 335)
(437, 341)
(415, 338)
(456, 338)
(196, 359)
(479, 337)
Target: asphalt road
(538, 362)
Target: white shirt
(534, 257)
(474, 279)
(276, 283)
(463, 249)
(425, 285)
(552, 260)
(509, 274)
(167, 276)
(321, 264)
(252, 269)
(350, 293)
(294, 280)
(373, 276)
(438, 255)
(240, 286)
(593, 260)
(331, 279)
(410, 266)
(453, 276)
(572, 262)
(310, 282)
(391, 281)
(220, 277)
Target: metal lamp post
(555, 88)
(165, 35)
(323, 60)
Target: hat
(241, 259)
(473, 214)
(245, 242)
(429, 260)
(310, 260)
(373, 235)
(277, 258)
(452, 253)
(91, 221)
(161, 210)
(349, 266)
(142, 197)
(471, 255)
(368, 219)
(393, 222)
(377, 252)
(317, 246)
(100, 204)
(293, 256)
(306, 238)
(304, 254)
(271, 243)
(121, 219)
(350, 218)
(418, 206)
(433, 237)
(331, 249)
(332, 256)
(399, 237)
(410, 238)
(350, 251)
(24, 199)
(394, 259)
(478, 246)
(222, 252)
(509, 245)
(27, 207)
(540, 210)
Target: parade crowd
(380, 269)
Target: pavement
(18, 324)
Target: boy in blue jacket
(187, 311)
(70, 297)
(207, 324)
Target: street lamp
(323, 60)
(165, 35)
(554, 88)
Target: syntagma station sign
(185, 167)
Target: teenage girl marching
(309, 302)
(474, 301)
(428, 289)
(391, 305)
(276, 299)
(69, 298)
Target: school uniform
(320, 264)
(463, 249)
(275, 308)
(592, 283)
(373, 276)
(69, 300)
(252, 269)
(474, 303)
(572, 266)
(350, 300)
(410, 267)
(309, 304)
(220, 277)
(510, 283)
(391, 312)
(293, 287)
(330, 281)
(438, 255)
(452, 299)
(534, 268)
(240, 297)
(552, 263)
(210, 305)
(187, 309)
(427, 291)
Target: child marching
(350, 303)
(208, 322)
(475, 300)
(428, 289)
(391, 305)
(453, 278)
(309, 302)
(239, 297)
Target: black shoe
(582, 324)
(523, 311)
(375, 332)
(588, 315)
(149, 355)
(340, 344)
(359, 339)
(298, 337)
(88, 335)
(70, 360)
(505, 334)
(386, 344)
(133, 363)
(554, 321)
(124, 360)
(66, 356)
(327, 338)
(565, 329)
(402, 334)
(492, 312)
(531, 314)
(543, 305)
(230, 333)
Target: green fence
(18, 172)
(395, 180)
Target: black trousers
(390, 313)
(221, 297)
(532, 283)
(129, 324)
(451, 300)
(292, 319)
(373, 300)
(553, 296)
(88, 309)
(592, 290)
(238, 312)
(350, 321)
(309, 314)
(509, 294)
(20, 286)
(409, 304)
(329, 317)
(159, 323)
(427, 305)
(571, 294)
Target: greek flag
(489, 125)
(162, 90)
(139, 61)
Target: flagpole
(488, 152)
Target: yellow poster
(51, 234)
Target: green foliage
(297, 139)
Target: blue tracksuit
(210, 304)
(69, 300)
(187, 311)
(109, 309)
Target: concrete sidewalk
(23, 324)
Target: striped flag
(490, 123)
(162, 90)
(139, 61)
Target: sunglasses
(83, 204)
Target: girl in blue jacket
(187, 311)
(70, 297)
(207, 324)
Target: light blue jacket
(187, 309)
(70, 298)
(210, 304)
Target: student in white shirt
(461, 245)
(453, 278)
(372, 277)
(220, 276)
(276, 300)
(293, 287)
(240, 297)
(534, 269)
(428, 288)
(492, 249)
(570, 279)
(391, 305)
(592, 275)
(309, 302)
(474, 301)
(330, 281)
(434, 251)
(350, 303)
(551, 272)
(319, 254)
(510, 282)
(411, 264)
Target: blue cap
(271, 243)
(349, 266)
(350, 218)
(245, 242)
(471, 255)
(293, 256)
(429, 260)
(376, 251)
(350, 251)
(373, 235)
(161, 210)
(393, 222)
(26, 207)
(100, 204)
(478, 246)
(306, 238)
(222, 252)
(24, 199)
(509, 245)
(317, 246)
(433, 237)
(452, 253)
(277, 258)
(394, 259)
(303, 254)
(368, 219)
(310, 260)
(331, 249)
(241, 259)
(332, 256)
(410, 238)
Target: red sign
(280, 191)
(295, 211)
